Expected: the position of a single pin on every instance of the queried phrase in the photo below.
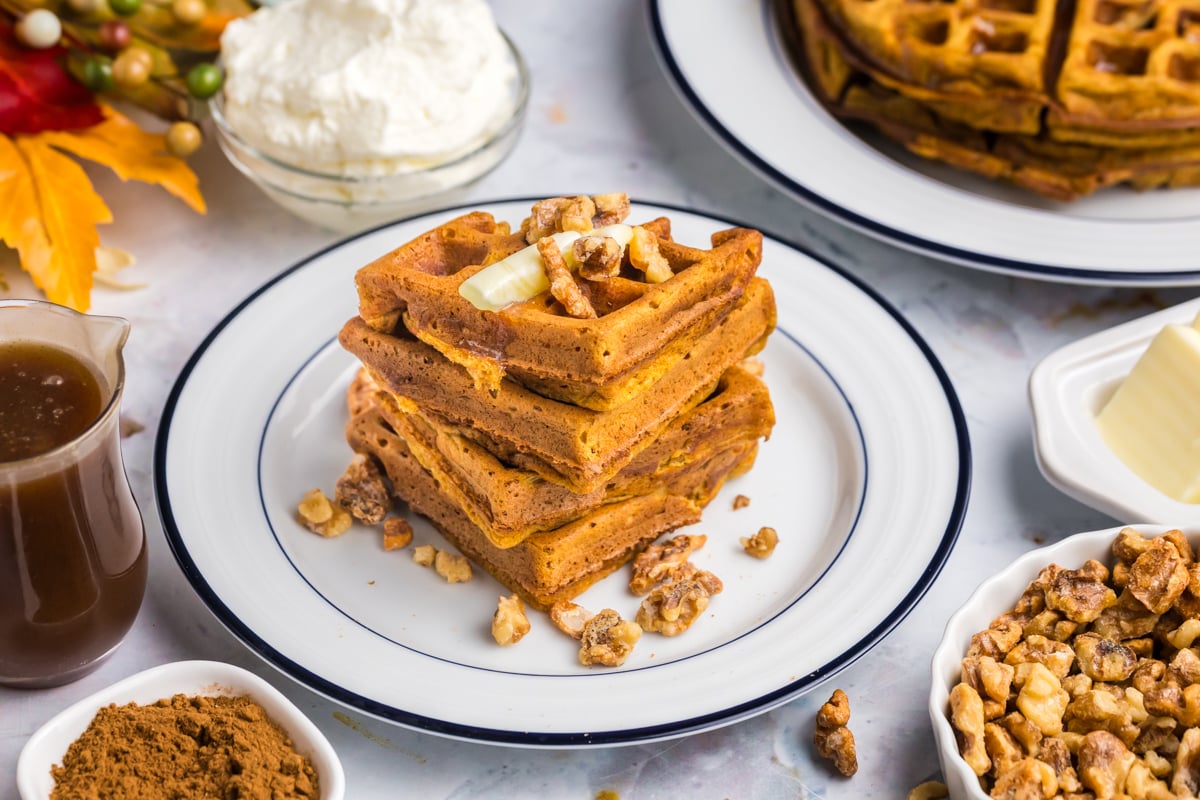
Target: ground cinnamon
(184, 748)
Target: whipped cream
(367, 87)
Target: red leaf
(36, 91)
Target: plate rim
(886, 233)
(473, 733)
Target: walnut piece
(562, 281)
(363, 491)
(322, 516)
(672, 607)
(424, 555)
(610, 208)
(607, 639)
(761, 544)
(832, 738)
(966, 715)
(453, 567)
(397, 533)
(658, 562)
(576, 214)
(929, 790)
(570, 618)
(740, 502)
(509, 622)
(1158, 576)
(599, 257)
(645, 257)
(544, 218)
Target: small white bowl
(349, 204)
(995, 596)
(1067, 389)
(49, 744)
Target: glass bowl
(351, 203)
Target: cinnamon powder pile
(184, 748)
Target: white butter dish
(1067, 389)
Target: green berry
(204, 80)
(125, 8)
(97, 74)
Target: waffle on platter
(597, 363)
(508, 503)
(1063, 98)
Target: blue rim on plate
(789, 184)
(258, 643)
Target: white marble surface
(602, 118)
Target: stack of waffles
(1060, 96)
(551, 448)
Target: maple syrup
(72, 544)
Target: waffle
(598, 364)
(508, 504)
(1070, 155)
(559, 564)
(575, 447)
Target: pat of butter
(1152, 422)
(522, 275)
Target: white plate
(753, 101)
(49, 743)
(1067, 389)
(865, 478)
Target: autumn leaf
(36, 91)
(20, 223)
(69, 211)
(133, 154)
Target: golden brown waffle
(508, 504)
(1058, 162)
(575, 447)
(559, 564)
(642, 329)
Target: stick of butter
(1152, 421)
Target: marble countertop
(602, 117)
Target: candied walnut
(607, 639)
(1186, 781)
(1100, 710)
(1081, 594)
(509, 622)
(1152, 734)
(322, 516)
(1022, 730)
(1141, 783)
(610, 208)
(672, 607)
(832, 738)
(363, 491)
(997, 640)
(1041, 698)
(1077, 683)
(1147, 674)
(599, 257)
(453, 567)
(1158, 576)
(1002, 749)
(424, 555)
(562, 282)
(966, 716)
(1104, 763)
(1103, 660)
(1182, 545)
(397, 533)
(1026, 779)
(1129, 544)
(740, 502)
(1051, 625)
(988, 677)
(576, 214)
(1054, 751)
(543, 218)
(1184, 668)
(645, 256)
(1170, 700)
(1055, 656)
(569, 618)
(1128, 619)
(929, 790)
(659, 562)
(762, 544)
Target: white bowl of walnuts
(1076, 670)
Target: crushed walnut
(761, 544)
(562, 281)
(323, 516)
(509, 622)
(397, 533)
(645, 257)
(832, 738)
(740, 502)
(607, 639)
(1089, 686)
(569, 618)
(579, 213)
(599, 257)
(929, 790)
(424, 555)
(610, 208)
(659, 562)
(453, 567)
(363, 491)
(672, 607)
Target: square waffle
(642, 328)
(508, 504)
(579, 448)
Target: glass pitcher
(72, 544)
